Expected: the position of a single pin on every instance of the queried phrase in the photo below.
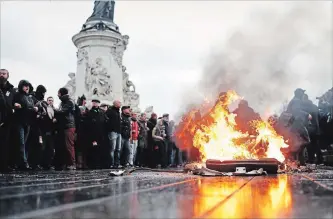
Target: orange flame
(216, 135)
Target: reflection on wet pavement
(164, 195)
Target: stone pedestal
(100, 72)
(99, 62)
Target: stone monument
(100, 72)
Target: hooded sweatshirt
(26, 113)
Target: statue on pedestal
(71, 84)
(130, 96)
(103, 10)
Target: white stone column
(107, 47)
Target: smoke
(271, 55)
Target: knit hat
(125, 107)
(63, 91)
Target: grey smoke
(271, 55)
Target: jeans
(128, 149)
(23, 131)
(134, 146)
(115, 147)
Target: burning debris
(217, 136)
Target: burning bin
(270, 165)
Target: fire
(216, 136)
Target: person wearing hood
(113, 128)
(65, 116)
(151, 123)
(134, 137)
(300, 119)
(35, 140)
(24, 114)
(126, 135)
(6, 116)
(96, 121)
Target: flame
(216, 135)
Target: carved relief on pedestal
(97, 79)
(82, 55)
(118, 50)
(71, 85)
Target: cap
(95, 100)
(165, 115)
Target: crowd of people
(36, 135)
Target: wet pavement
(94, 194)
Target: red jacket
(135, 130)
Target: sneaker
(119, 167)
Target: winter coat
(310, 108)
(26, 114)
(125, 126)
(65, 114)
(6, 103)
(114, 121)
(96, 120)
(159, 132)
(143, 133)
(295, 108)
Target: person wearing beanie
(96, 123)
(65, 115)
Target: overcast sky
(169, 44)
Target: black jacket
(26, 114)
(125, 126)
(65, 114)
(96, 120)
(312, 109)
(113, 123)
(151, 123)
(6, 103)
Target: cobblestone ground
(95, 194)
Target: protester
(126, 135)
(96, 120)
(114, 133)
(151, 125)
(134, 137)
(24, 114)
(6, 119)
(142, 152)
(65, 152)
(159, 148)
